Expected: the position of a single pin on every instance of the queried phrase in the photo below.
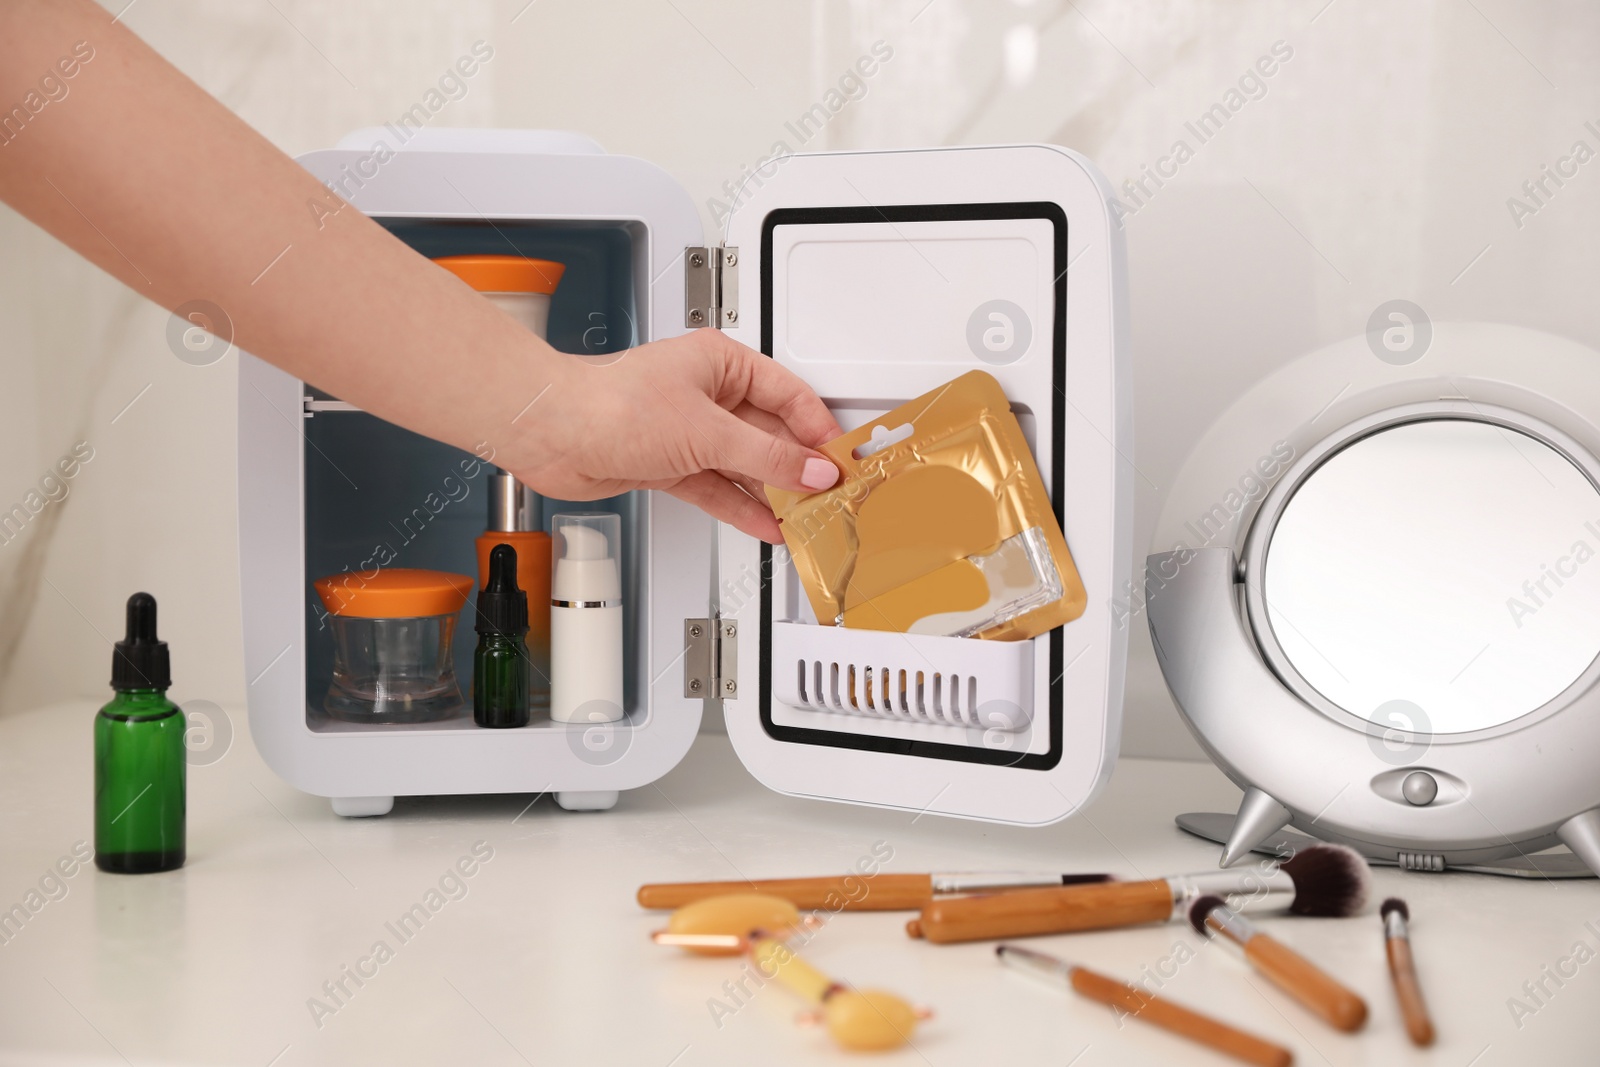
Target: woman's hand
(700, 416)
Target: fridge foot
(587, 799)
(361, 807)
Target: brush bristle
(1329, 880)
(1395, 904)
(1198, 912)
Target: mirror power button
(1419, 788)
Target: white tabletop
(542, 958)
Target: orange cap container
(396, 593)
(505, 274)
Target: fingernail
(818, 474)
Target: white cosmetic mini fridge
(876, 276)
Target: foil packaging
(940, 524)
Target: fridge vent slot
(942, 681)
(897, 693)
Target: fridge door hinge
(710, 287)
(711, 658)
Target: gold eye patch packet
(939, 524)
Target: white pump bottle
(586, 619)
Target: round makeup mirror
(1404, 652)
(1441, 576)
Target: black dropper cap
(502, 606)
(140, 660)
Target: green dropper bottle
(139, 756)
(501, 666)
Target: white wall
(1376, 165)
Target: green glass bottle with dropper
(139, 755)
(501, 666)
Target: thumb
(770, 458)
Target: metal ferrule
(1227, 925)
(513, 507)
(1394, 925)
(1248, 889)
(585, 603)
(979, 881)
(1039, 964)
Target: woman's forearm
(137, 168)
(144, 173)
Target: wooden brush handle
(846, 892)
(1303, 980)
(1180, 1020)
(1053, 910)
(1409, 993)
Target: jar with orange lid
(517, 285)
(392, 633)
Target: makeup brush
(852, 892)
(1397, 941)
(1318, 880)
(1132, 1000)
(1287, 969)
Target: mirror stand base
(1217, 826)
(1259, 818)
(1581, 834)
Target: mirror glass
(1450, 564)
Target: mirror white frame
(1424, 801)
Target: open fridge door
(878, 277)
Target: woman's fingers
(768, 458)
(752, 488)
(761, 420)
(780, 391)
(721, 499)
